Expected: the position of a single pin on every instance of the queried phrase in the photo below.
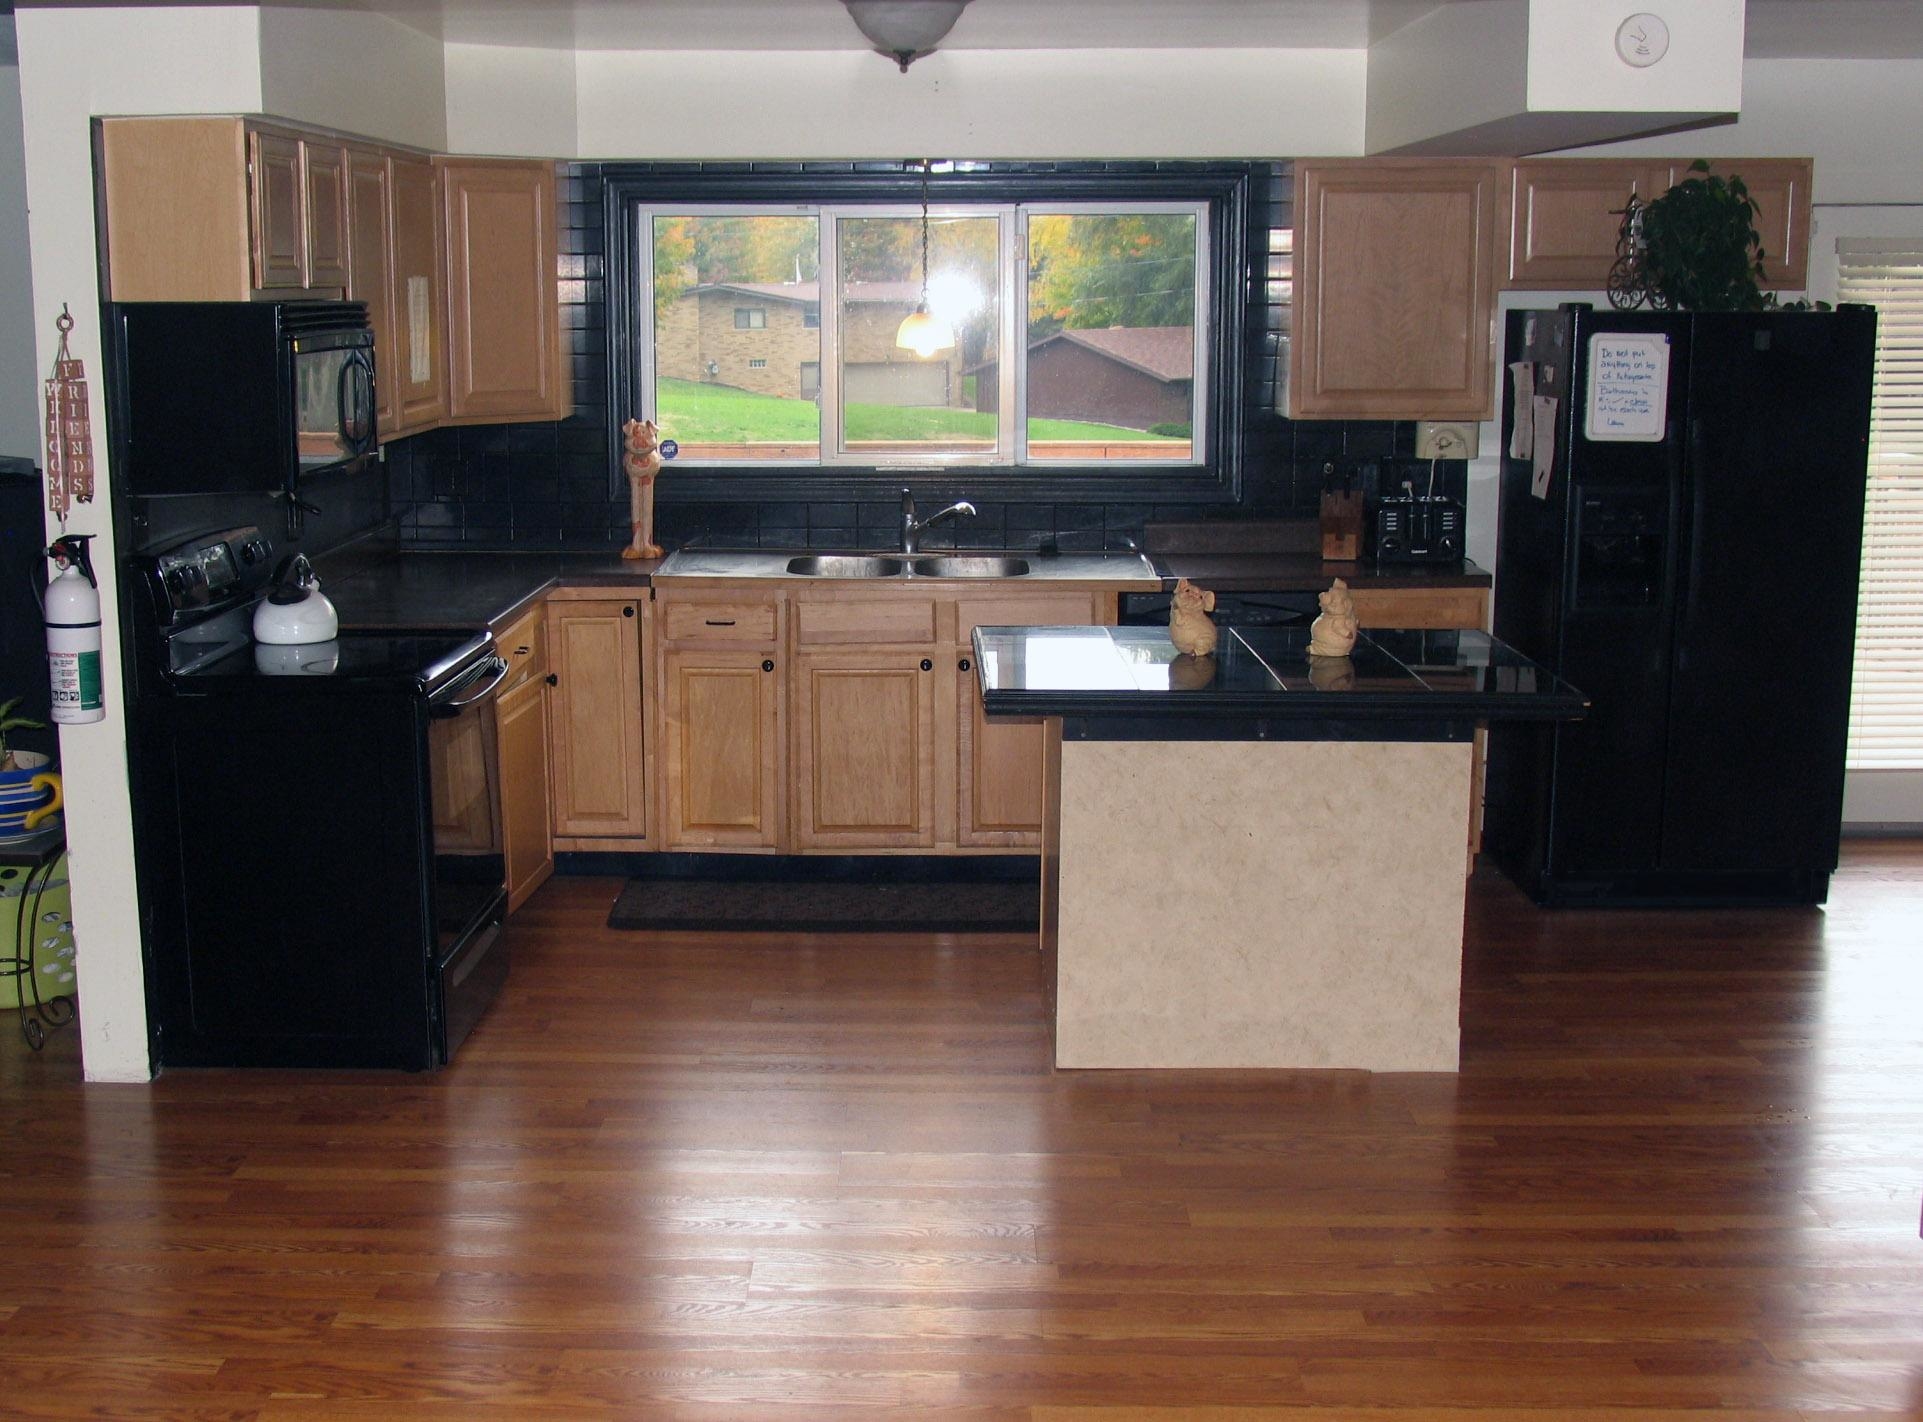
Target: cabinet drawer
(719, 622)
(1421, 607)
(1027, 610)
(895, 620)
(525, 646)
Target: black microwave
(216, 397)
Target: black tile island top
(1129, 682)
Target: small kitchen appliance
(1417, 528)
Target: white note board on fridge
(1628, 386)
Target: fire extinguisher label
(76, 685)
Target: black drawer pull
(553, 679)
(927, 665)
(628, 611)
(522, 651)
(718, 622)
(767, 666)
(962, 665)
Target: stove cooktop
(412, 661)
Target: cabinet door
(280, 221)
(721, 740)
(595, 648)
(999, 775)
(324, 172)
(417, 354)
(1567, 214)
(369, 276)
(521, 718)
(504, 334)
(1395, 266)
(864, 750)
(1780, 188)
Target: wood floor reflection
(834, 1177)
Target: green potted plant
(11, 720)
(1694, 248)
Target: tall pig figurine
(641, 461)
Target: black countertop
(1263, 675)
(1305, 572)
(467, 591)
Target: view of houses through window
(773, 334)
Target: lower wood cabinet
(522, 731)
(998, 772)
(720, 744)
(864, 770)
(598, 750)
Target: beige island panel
(1255, 903)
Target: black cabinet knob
(628, 611)
(927, 665)
(768, 666)
(962, 665)
(553, 680)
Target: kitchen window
(1094, 340)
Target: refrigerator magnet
(1628, 387)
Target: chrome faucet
(911, 527)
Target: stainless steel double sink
(851, 565)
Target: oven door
(469, 884)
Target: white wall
(1455, 68)
(1098, 103)
(511, 102)
(355, 70)
(75, 63)
(19, 388)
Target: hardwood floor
(826, 1178)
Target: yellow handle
(34, 817)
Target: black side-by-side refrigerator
(1681, 533)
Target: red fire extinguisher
(73, 633)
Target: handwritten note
(1628, 387)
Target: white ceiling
(1775, 29)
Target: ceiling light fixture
(905, 30)
(921, 331)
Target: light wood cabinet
(864, 762)
(720, 740)
(1568, 212)
(1424, 608)
(999, 776)
(1395, 269)
(503, 313)
(599, 777)
(370, 271)
(418, 353)
(1780, 188)
(324, 192)
(279, 226)
(527, 844)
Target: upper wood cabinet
(1568, 212)
(221, 209)
(370, 234)
(417, 355)
(503, 327)
(1395, 273)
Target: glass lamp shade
(905, 29)
(923, 333)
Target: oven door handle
(489, 671)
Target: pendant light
(921, 331)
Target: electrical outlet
(1439, 439)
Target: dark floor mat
(784, 907)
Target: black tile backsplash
(547, 485)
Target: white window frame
(1012, 326)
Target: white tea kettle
(295, 612)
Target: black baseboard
(809, 868)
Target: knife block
(1341, 526)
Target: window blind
(1886, 702)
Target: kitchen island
(1255, 859)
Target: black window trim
(1237, 267)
